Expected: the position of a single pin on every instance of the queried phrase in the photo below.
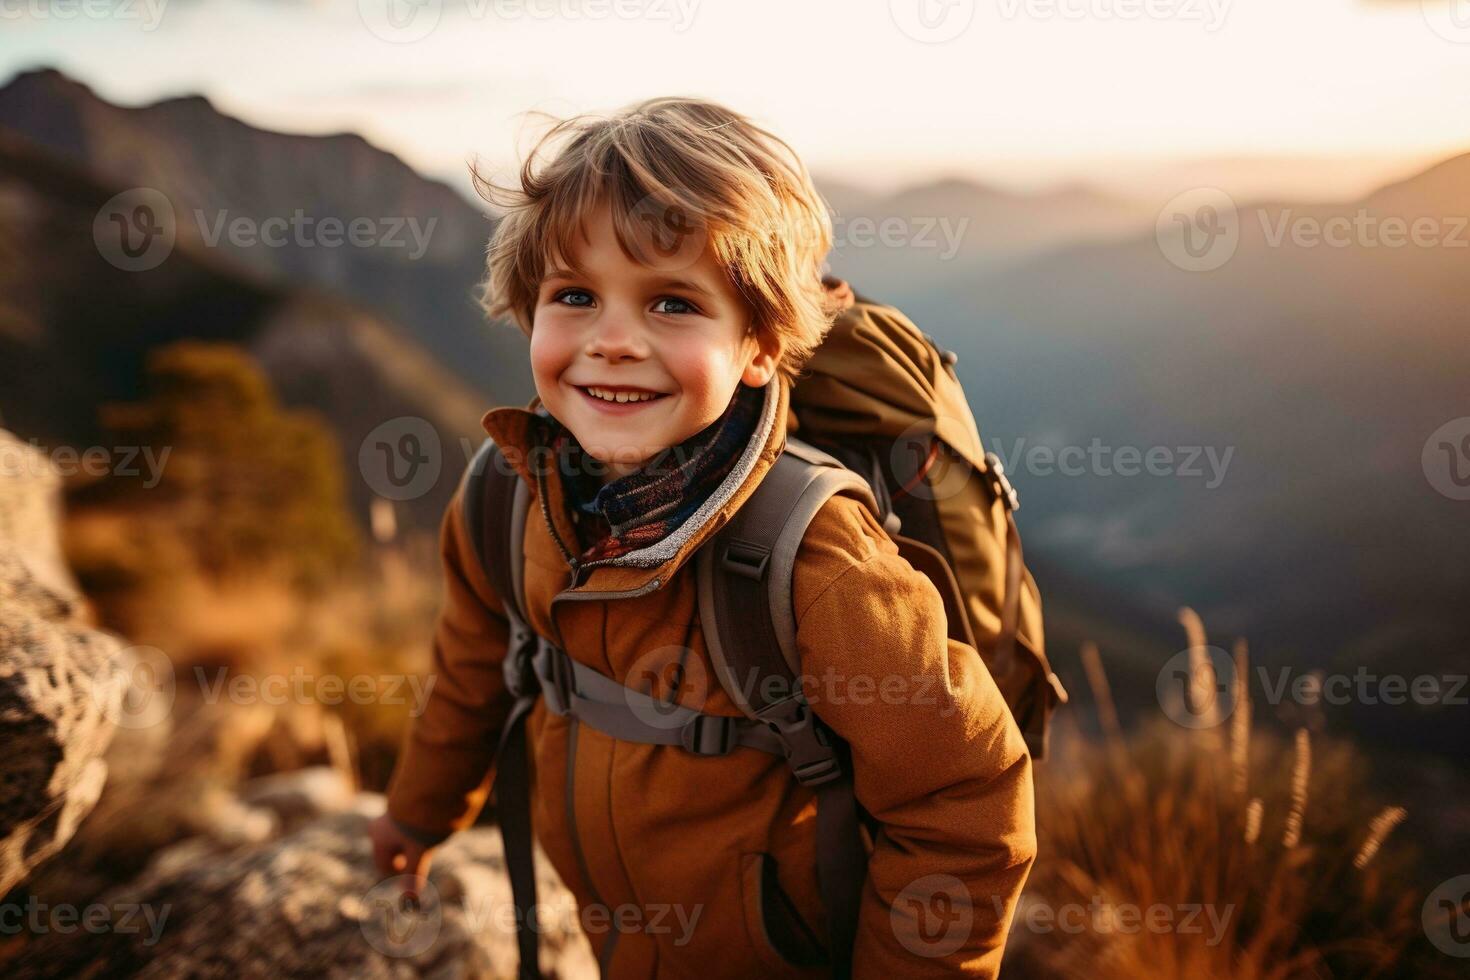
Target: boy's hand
(395, 853)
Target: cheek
(699, 369)
(548, 351)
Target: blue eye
(570, 292)
(681, 307)
(688, 306)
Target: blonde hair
(687, 164)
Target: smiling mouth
(619, 398)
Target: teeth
(620, 396)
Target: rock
(303, 794)
(232, 822)
(277, 879)
(310, 904)
(30, 513)
(61, 683)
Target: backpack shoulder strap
(496, 501)
(744, 579)
(744, 574)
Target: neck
(614, 471)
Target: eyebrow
(570, 276)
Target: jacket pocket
(781, 937)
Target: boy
(663, 353)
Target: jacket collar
(524, 437)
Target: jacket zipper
(573, 730)
(578, 569)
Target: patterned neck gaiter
(640, 509)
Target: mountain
(1314, 373)
(75, 330)
(953, 228)
(405, 246)
(1323, 369)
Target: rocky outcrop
(310, 904)
(61, 682)
(275, 877)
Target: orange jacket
(662, 848)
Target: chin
(596, 443)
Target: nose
(616, 338)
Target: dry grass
(178, 778)
(1277, 844)
(1268, 855)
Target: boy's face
(677, 329)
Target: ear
(763, 361)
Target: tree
(245, 481)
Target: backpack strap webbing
(1010, 610)
(1034, 727)
(744, 580)
(496, 501)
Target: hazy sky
(879, 92)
